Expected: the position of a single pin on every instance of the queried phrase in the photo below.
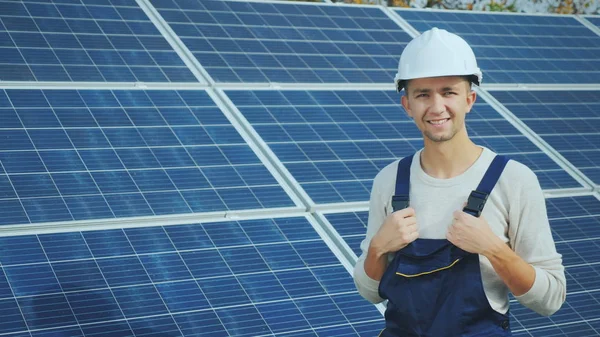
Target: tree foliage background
(523, 6)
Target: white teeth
(442, 121)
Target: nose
(438, 105)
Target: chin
(439, 138)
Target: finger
(407, 230)
(414, 236)
(458, 214)
(407, 236)
(406, 212)
(454, 229)
(450, 236)
(454, 224)
(401, 221)
(410, 236)
(453, 234)
(409, 221)
(413, 226)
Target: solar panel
(351, 227)
(247, 278)
(594, 20)
(334, 142)
(575, 224)
(567, 120)
(92, 151)
(74, 41)
(91, 154)
(289, 43)
(517, 48)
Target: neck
(449, 159)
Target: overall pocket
(424, 257)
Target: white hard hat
(435, 53)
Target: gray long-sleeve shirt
(515, 210)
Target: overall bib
(433, 288)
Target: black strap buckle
(399, 202)
(475, 203)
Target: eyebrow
(424, 91)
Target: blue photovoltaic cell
(519, 48)
(90, 154)
(249, 278)
(297, 43)
(568, 120)
(334, 142)
(89, 40)
(351, 226)
(594, 20)
(575, 224)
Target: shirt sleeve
(366, 286)
(532, 240)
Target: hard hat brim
(473, 78)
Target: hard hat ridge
(435, 53)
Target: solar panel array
(202, 167)
(267, 42)
(84, 41)
(569, 121)
(523, 48)
(275, 276)
(92, 154)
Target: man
(454, 228)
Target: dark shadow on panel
(147, 332)
(51, 313)
(46, 311)
(162, 326)
(64, 309)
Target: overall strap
(400, 199)
(478, 197)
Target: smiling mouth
(438, 121)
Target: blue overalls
(434, 288)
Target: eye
(448, 93)
(421, 95)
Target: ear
(471, 98)
(406, 105)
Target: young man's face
(438, 105)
